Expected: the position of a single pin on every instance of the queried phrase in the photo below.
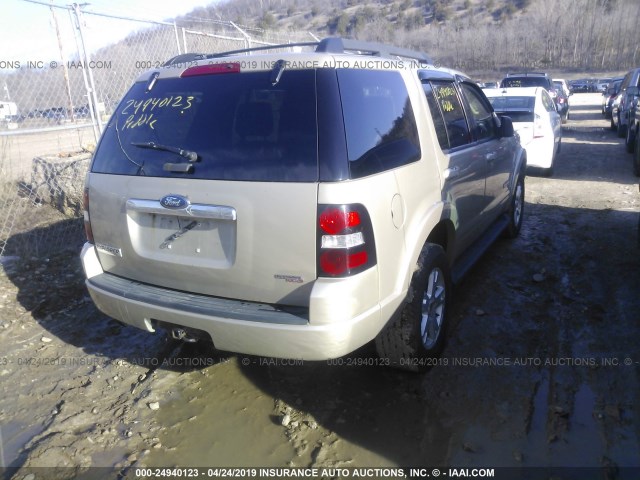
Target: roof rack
(184, 58)
(342, 45)
(326, 45)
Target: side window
(379, 122)
(455, 121)
(484, 126)
(436, 114)
(547, 102)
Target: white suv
(298, 205)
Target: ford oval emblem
(174, 202)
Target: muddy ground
(541, 366)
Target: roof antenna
(152, 81)
(276, 73)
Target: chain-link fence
(52, 110)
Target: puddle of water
(13, 437)
(223, 420)
(583, 442)
(582, 445)
(361, 417)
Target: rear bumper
(235, 325)
(540, 152)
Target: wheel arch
(439, 229)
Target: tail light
(538, 127)
(211, 69)
(87, 221)
(345, 240)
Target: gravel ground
(541, 367)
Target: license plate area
(182, 238)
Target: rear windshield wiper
(188, 154)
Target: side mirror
(506, 127)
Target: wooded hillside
(471, 35)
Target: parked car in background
(628, 91)
(535, 119)
(580, 86)
(602, 84)
(615, 104)
(35, 113)
(561, 83)
(8, 112)
(189, 215)
(537, 79)
(489, 84)
(631, 136)
(56, 114)
(529, 79)
(609, 95)
(81, 111)
(562, 102)
(636, 153)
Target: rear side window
(380, 126)
(484, 126)
(547, 102)
(454, 118)
(239, 125)
(436, 115)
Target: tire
(417, 332)
(516, 209)
(620, 129)
(629, 140)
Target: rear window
(525, 82)
(519, 109)
(236, 126)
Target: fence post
(65, 71)
(93, 98)
(247, 38)
(175, 29)
(184, 39)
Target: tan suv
(298, 204)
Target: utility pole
(93, 98)
(65, 71)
